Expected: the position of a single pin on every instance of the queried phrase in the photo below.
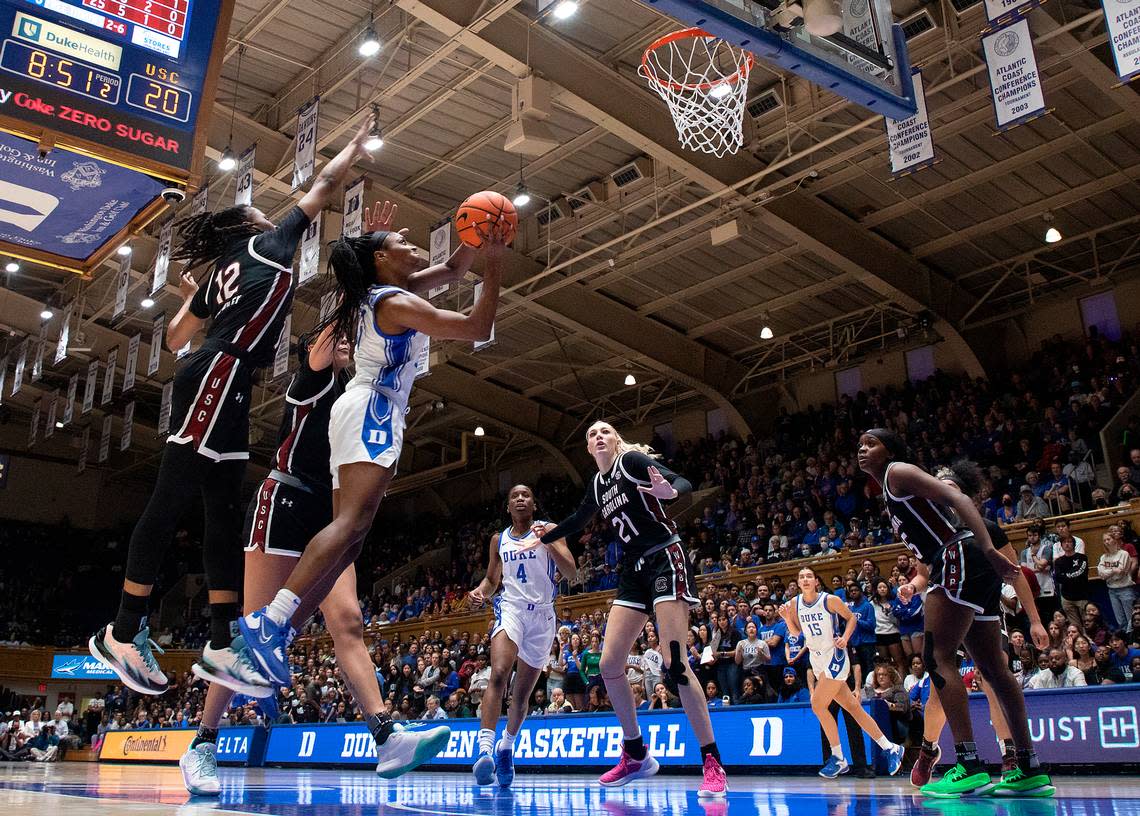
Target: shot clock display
(126, 81)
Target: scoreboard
(130, 82)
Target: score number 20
(159, 98)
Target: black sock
(1008, 748)
(132, 613)
(635, 747)
(710, 749)
(204, 735)
(929, 746)
(1027, 760)
(222, 616)
(968, 756)
(381, 727)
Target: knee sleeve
(675, 676)
(932, 667)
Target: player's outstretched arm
(334, 174)
(185, 324)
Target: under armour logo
(286, 502)
(239, 397)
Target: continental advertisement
(236, 746)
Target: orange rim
(685, 34)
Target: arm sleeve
(199, 305)
(636, 464)
(577, 522)
(280, 244)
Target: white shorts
(364, 428)
(834, 664)
(531, 630)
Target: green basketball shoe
(1017, 782)
(958, 782)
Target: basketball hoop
(704, 81)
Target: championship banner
(1122, 18)
(109, 376)
(89, 386)
(439, 251)
(423, 362)
(128, 426)
(156, 327)
(162, 258)
(281, 356)
(909, 140)
(353, 209)
(239, 745)
(38, 355)
(21, 364)
(859, 25)
(64, 335)
(3, 376)
(310, 252)
(84, 448)
(328, 303)
(243, 193)
(34, 431)
(164, 408)
(1015, 81)
(304, 159)
(132, 363)
(122, 284)
(201, 200)
(69, 406)
(104, 449)
(52, 412)
(1001, 12)
(490, 340)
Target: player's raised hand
(658, 487)
(538, 529)
(361, 136)
(187, 286)
(381, 217)
(906, 592)
(477, 597)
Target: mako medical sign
(79, 667)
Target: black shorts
(664, 575)
(963, 573)
(209, 406)
(282, 519)
(573, 683)
(888, 640)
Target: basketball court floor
(81, 789)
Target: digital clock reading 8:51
(52, 69)
(158, 97)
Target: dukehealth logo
(78, 667)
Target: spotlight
(479, 431)
(720, 90)
(630, 379)
(12, 266)
(522, 195)
(1052, 235)
(147, 302)
(565, 9)
(124, 250)
(227, 162)
(46, 314)
(369, 43)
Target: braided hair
(351, 263)
(966, 474)
(205, 237)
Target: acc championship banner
(439, 251)
(243, 193)
(1122, 18)
(310, 252)
(748, 735)
(304, 160)
(67, 204)
(78, 667)
(1015, 81)
(1097, 725)
(239, 745)
(1000, 12)
(353, 209)
(910, 141)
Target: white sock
(284, 604)
(486, 740)
(837, 752)
(506, 742)
(884, 743)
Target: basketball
(482, 211)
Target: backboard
(865, 62)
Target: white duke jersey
(817, 623)
(528, 578)
(387, 363)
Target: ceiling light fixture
(46, 314)
(720, 90)
(565, 9)
(630, 379)
(1052, 234)
(147, 302)
(522, 195)
(375, 139)
(227, 162)
(12, 266)
(124, 250)
(479, 431)
(369, 42)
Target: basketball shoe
(133, 662)
(715, 783)
(629, 769)
(199, 766)
(407, 749)
(268, 644)
(235, 669)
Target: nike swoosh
(262, 637)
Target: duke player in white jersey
(813, 623)
(389, 326)
(523, 628)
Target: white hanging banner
(105, 439)
(162, 259)
(64, 335)
(69, 406)
(490, 340)
(164, 408)
(128, 426)
(304, 160)
(89, 386)
(34, 431)
(132, 363)
(910, 141)
(109, 376)
(1001, 12)
(38, 355)
(328, 303)
(439, 251)
(1122, 18)
(281, 357)
(122, 284)
(423, 362)
(84, 447)
(353, 209)
(310, 252)
(243, 194)
(201, 200)
(52, 412)
(156, 327)
(1015, 81)
(182, 352)
(3, 376)
(21, 364)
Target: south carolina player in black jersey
(246, 296)
(941, 525)
(655, 577)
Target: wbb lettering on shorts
(614, 499)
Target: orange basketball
(482, 211)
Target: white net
(704, 81)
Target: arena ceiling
(839, 259)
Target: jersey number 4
(226, 282)
(521, 574)
(621, 523)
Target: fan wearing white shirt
(1058, 673)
